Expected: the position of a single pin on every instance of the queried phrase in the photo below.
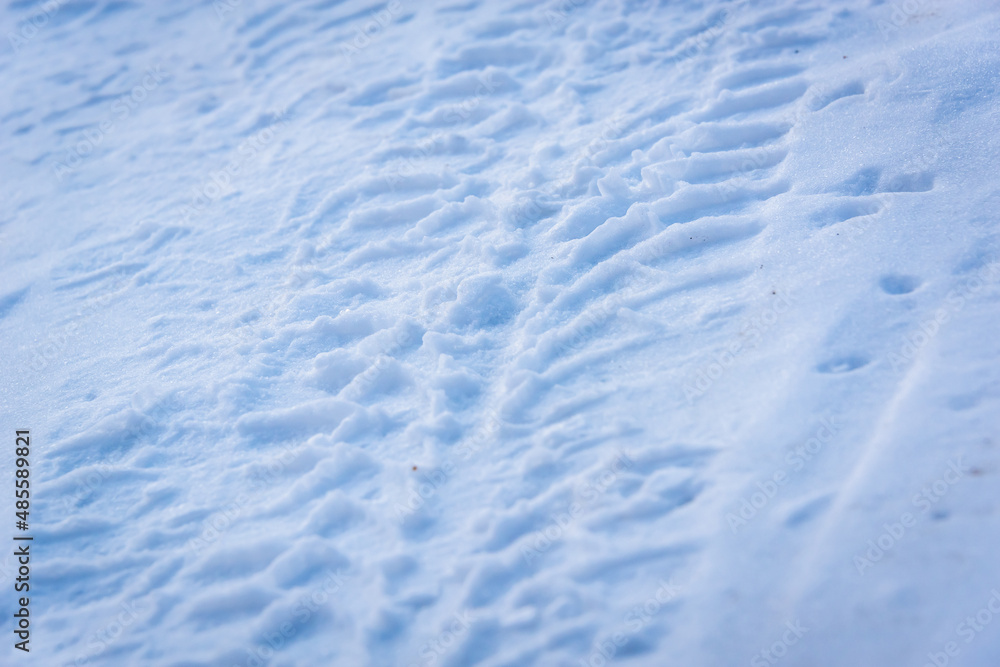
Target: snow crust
(504, 333)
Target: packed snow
(454, 333)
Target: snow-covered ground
(461, 333)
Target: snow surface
(509, 333)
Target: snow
(504, 333)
